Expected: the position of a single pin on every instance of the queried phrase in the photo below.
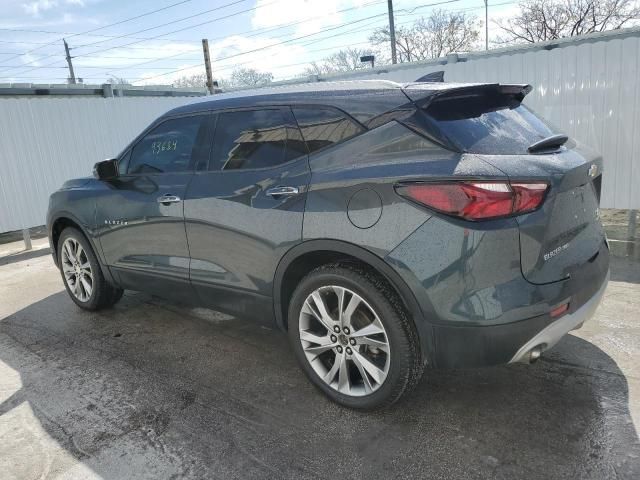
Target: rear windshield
(487, 124)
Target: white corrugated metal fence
(588, 86)
(47, 140)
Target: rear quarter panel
(351, 196)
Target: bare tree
(437, 35)
(198, 80)
(242, 77)
(342, 61)
(249, 77)
(541, 20)
(118, 81)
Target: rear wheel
(352, 337)
(82, 274)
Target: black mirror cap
(106, 170)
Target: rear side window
(323, 127)
(175, 145)
(251, 139)
(488, 124)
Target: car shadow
(155, 390)
(24, 255)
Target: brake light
(477, 200)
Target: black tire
(405, 361)
(103, 294)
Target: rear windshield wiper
(554, 141)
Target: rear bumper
(550, 335)
(478, 308)
(477, 346)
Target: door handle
(168, 198)
(277, 192)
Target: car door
(140, 217)
(245, 210)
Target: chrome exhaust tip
(535, 353)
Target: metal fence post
(631, 232)
(26, 236)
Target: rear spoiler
(423, 94)
(433, 77)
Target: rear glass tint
(488, 124)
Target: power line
(249, 51)
(152, 28)
(253, 33)
(412, 12)
(268, 46)
(177, 21)
(254, 50)
(175, 31)
(106, 26)
(217, 19)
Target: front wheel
(81, 273)
(352, 337)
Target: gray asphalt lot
(151, 389)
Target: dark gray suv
(386, 227)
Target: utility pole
(72, 76)
(207, 64)
(392, 32)
(486, 24)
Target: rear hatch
(565, 235)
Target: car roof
(362, 99)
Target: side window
(322, 127)
(250, 139)
(173, 146)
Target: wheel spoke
(350, 309)
(85, 286)
(384, 346)
(339, 291)
(376, 373)
(368, 388)
(344, 382)
(76, 287)
(374, 328)
(331, 374)
(321, 343)
(321, 313)
(70, 255)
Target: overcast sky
(158, 48)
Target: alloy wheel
(77, 269)
(344, 340)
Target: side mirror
(106, 170)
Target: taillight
(477, 200)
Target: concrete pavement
(155, 390)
